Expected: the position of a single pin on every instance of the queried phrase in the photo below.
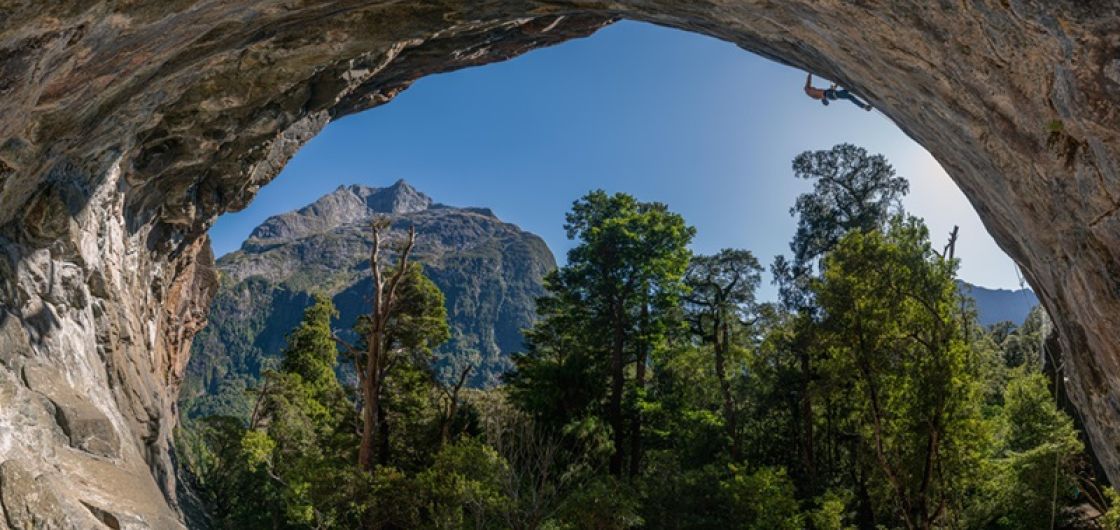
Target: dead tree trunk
(373, 369)
(452, 396)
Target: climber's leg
(844, 94)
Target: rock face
(490, 272)
(126, 127)
(347, 205)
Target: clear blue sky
(662, 114)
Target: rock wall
(127, 126)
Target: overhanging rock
(126, 128)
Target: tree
(762, 500)
(295, 452)
(719, 303)
(891, 327)
(235, 495)
(463, 487)
(656, 392)
(559, 378)
(1023, 344)
(1036, 454)
(302, 437)
(407, 319)
(851, 191)
(311, 351)
(615, 298)
(450, 382)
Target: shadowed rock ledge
(126, 127)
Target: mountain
(998, 305)
(490, 271)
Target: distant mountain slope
(490, 271)
(998, 305)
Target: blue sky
(662, 114)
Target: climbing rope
(1058, 380)
(1059, 384)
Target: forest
(656, 390)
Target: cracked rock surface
(127, 127)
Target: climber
(832, 93)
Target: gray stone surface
(87, 428)
(31, 502)
(347, 204)
(127, 127)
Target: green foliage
(676, 495)
(1031, 418)
(1110, 520)
(231, 398)
(719, 309)
(684, 411)
(291, 462)
(852, 191)
(248, 325)
(1022, 345)
(257, 448)
(408, 420)
(656, 392)
(419, 324)
(1036, 452)
(463, 487)
(558, 379)
(831, 512)
(236, 494)
(721, 288)
(412, 415)
(311, 352)
(612, 306)
(605, 503)
(762, 500)
(489, 271)
(890, 323)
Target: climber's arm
(812, 91)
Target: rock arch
(127, 127)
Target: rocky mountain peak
(346, 204)
(399, 198)
(490, 271)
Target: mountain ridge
(346, 204)
(999, 305)
(490, 271)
